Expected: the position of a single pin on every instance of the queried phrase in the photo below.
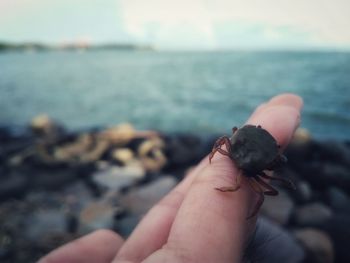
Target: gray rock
(77, 196)
(335, 174)
(139, 200)
(303, 192)
(338, 200)
(116, 178)
(278, 208)
(338, 229)
(42, 222)
(312, 214)
(95, 216)
(12, 185)
(45, 126)
(317, 243)
(5, 246)
(273, 244)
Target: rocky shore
(57, 185)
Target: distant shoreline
(6, 46)
(39, 47)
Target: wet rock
(116, 177)
(337, 175)
(336, 152)
(10, 133)
(268, 237)
(278, 208)
(139, 200)
(95, 153)
(15, 152)
(338, 229)
(123, 133)
(151, 154)
(303, 192)
(74, 149)
(300, 156)
(76, 196)
(317, 243)
(43, 125)
(338, 200)
(83, 149)
(301, 137)
(184, 150)
(12, 184)
(95, 216)
(312, 214)
(50, 178)
(123, 155)
(42, 222)
(5, 246)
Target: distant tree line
(5, 46)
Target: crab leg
(271, 191)
(257, 188)
(217, 147)
(231, 188)
(286, 182)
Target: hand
(193, 223)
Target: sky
(180, 24)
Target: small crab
(253, 150)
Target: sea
(197, 92)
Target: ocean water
(201, 92)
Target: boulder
(96, 215)
(139, 200)
(278, 208)
(317, 243)
(42, 222)
(123, 155)
(301, 136)
(116, 177)
(338, 229)
(151, 154)
(313, 214)
(338, 200)
(303, 192)
(44, 126)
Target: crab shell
(253, 149)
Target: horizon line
(90, 45)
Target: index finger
(211, 226)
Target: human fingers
(153, 230)
(289, 106)
(97, 247)
(211, 226)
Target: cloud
(187, 24)
(164, 23)
(326, 21)
(213, 23)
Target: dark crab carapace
(253, 150)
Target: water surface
(173, 91)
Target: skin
(193, 223)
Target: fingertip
(287, 99)
(280, 116)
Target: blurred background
(105, 104)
